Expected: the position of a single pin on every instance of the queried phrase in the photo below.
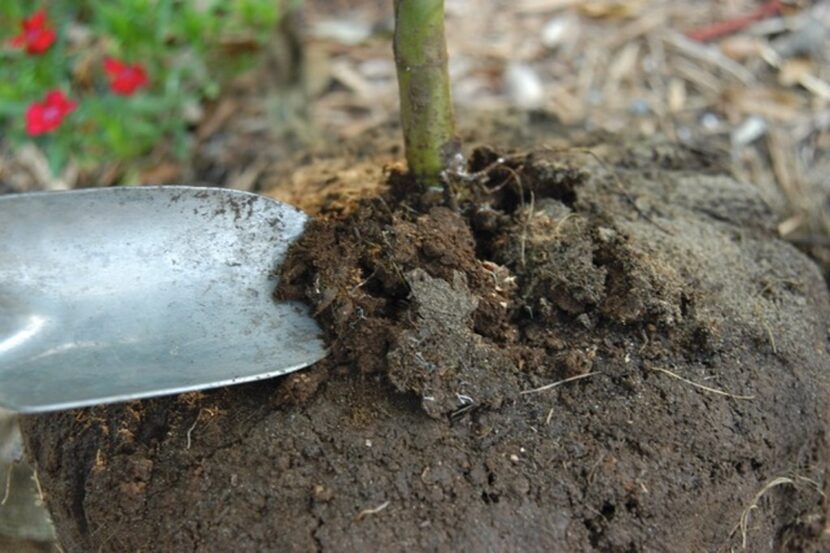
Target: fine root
(558, 383)
(8, 486)
(375, 510)
(192, 427)
(40, 499)
(701, 386)
(743, 522)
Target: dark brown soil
(701, 342)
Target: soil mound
(600, 350)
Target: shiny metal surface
(123, 293)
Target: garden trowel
(114, 294)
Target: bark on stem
(424, 83)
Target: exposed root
(192, 427)
(366, 512)
(701, 386)
(743, 523)
(558, 383)
(770, 336)
(210, 412)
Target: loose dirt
(602, 349)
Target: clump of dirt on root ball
(600, 350)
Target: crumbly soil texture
(597, 349)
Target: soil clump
(601, 349)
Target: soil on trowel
(596, 349)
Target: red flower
(46, 116)
(36, 36)
(125, 79)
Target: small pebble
(558, 31)
(606, 234)
(642, 203)
(749, 131)
(192, 112)
(684, 134)
(524, 86)
(639, 107)
(322, 493)
(585, 321)
(650, 64)
(710, 121)
(808, 39)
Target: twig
(641, 26)
(366, 512)
(711, 56)
(700, 386)
(558, 383)
(720, 29)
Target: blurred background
(258, 94)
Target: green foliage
(180, 43)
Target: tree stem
(424, 83)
